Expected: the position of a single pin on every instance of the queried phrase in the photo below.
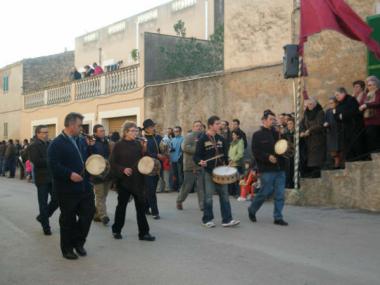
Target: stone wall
(45, 71)
(356, 187)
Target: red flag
(318, 15)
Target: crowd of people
(348, 130)
(93, 70)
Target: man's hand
(160, 156)
(273, 159)
(326, 124)
(75, 177)
(203, 163)
(363, 107)
(128, 171)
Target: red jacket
(375, 120)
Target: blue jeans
(271, 182)
(224, 200)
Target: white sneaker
(241, 199)
(209, 225)
(232, 223)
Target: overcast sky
(32, 28)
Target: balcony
(108, 83)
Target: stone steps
(355, 187)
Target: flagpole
(297, 129)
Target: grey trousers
(192, 179)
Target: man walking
(192, 172)
(66, 156)
(10, 158)
(271, 169)
(38, 156)
(101, 186)
(208, 146)
(2, 157)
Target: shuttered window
(5, 83)
(373, 64)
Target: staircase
(355, 187)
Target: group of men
(59, 169)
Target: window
(373, 64)
(5, 83)
(119, 27)
(149, 16)
(90, 37)
(183, 4)
(5, 134)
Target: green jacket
(236, 153)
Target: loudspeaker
(291, 61)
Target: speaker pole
(297, 131)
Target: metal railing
(112, 82)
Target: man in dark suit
(66, 158)
(42, 178)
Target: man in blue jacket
(66, 159)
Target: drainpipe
(206, 19)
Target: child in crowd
(249, 183)
(28, 169)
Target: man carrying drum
(153, 150)
(271, 169)
(101, 146)
(211, 145)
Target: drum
(149, 166)
(284, 148)
(225, 175)
(98, 167)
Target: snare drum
(225, 175)
(284, 148)
(98, 167)
(149, 166)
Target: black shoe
(252, 217)
(70, 255)
(81, 251)
(47, 232)
(38, 219)
(105, 220)
(117, 235)
(147, 237)
(280, 222)
(156, 217)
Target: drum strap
(213, 141)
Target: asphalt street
(320, 247)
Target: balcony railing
(112, 82)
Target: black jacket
(208, 147)
(38, 156)
(263, 142)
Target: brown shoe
(179, 206)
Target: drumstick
(213, 158)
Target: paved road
(320, 247)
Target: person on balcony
(75, 75)
(97, 69)
(88, 71)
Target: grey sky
(31, 28)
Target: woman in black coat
(124, 160)
(350, 126)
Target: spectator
(75, 75)
(115, 137)
(350, 125)
(313, 132)
(359, 89)
(235, 156)
(88, 71)
(236, 127)
(370, 106)
(332, 140)
(248, 183)
(10, 158)
(176, 158)
(3, 146)
(289, 168)
(225, 132)
(97, 69)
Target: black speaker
(291, 61)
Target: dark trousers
(151, 185)
(177, 174)
(11, 166)
(372, 134)
(77, 212)
(121, 208)
(47, 208)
